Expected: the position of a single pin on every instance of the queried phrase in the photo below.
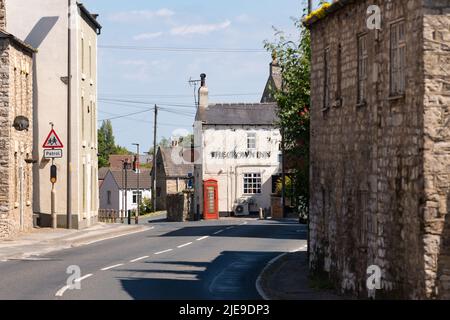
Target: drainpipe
(69, 119)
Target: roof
(331, 8)
(241, 114)
(116, 160)
(173, 169)
(26, 46)
(102, 172)
(132, 178)
(91, 18)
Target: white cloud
(146, 36)
(199, 28)
(127, 16)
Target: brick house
(16, 132)
(380, 147)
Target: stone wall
(367, 161)
(15, 146)
(437, 149)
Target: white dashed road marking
(138, 259)
(184, 245)
(111, 267)
(217, 232)
(202, 238)
(61, 291)
(161, 252)
(228, 228)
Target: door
(210, 200)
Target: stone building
(380, 147)
(16, 132)
(172, 176)
(65, 33)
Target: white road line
(83, 278)
(220, 231)
(184, 245)
(111, 267)
(161, 252)
(61, 291)
(138, 259)
(228, 228)
(202, 238)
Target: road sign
(53, 153)
(52, 141)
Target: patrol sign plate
(53, 153)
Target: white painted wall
(230, 171)
(44, 24)
(117, 195)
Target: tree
(293, 102)
(107, 145)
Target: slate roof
(173, 169)
(26, 46)
(241, 114)
(144, 179)
(102, 172)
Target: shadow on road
(231, 276)
(266, 231)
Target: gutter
(335, 6)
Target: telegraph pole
(138, 172)
(126, 190)
(154, 158)
(310, 6)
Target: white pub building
(238, 157)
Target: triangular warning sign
(52, 141)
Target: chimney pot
(203, 79)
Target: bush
(146, 206)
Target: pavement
(201, 260)
(287, 278)
(38, 242)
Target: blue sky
(150, 77)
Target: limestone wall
(367, 160)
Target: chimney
(2, 15)
(202, 97)
(275, 69)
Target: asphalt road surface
(196, 260)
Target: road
(196, 260)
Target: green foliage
(146, 206)
(294, 100)
(107, 145)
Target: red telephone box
(210, 200)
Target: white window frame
(252, 183)
(135, 195)
(251, 140)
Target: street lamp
(138, 172)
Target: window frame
(252, 183)
(397, 58)
(251, 136)
(326, 78)
(362, 62)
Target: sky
(133, 81)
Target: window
(397, 59)
(251, 140)
(339, 73)
(108, 195)
(82, 55)
(326, 79)
(135, 196)
(83, 135)
(362, 68)
(90, 61)
(252, 183)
